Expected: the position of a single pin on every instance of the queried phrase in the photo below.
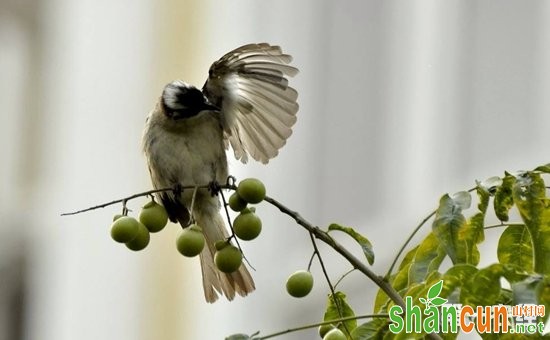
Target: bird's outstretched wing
(250, 86)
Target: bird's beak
(210, 107)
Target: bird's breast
(189, 152)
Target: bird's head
(181, 100)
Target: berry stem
(233, 236)
(327, 278)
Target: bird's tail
(214, 281)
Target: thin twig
(503, 225)
(409, 239)
(343, 276)
(145, 193)
(335, 321)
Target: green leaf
(371, 330)
(409, 257)
(455, 278)
(332, 313)
(398, 281)
(503, 198)
(462, 199)
(490, 185)
(513, 274)
(483, 289)
(473, 233)
(435, 290)
(427, 258)
(515, 247)
(447, 224)
(529, 194)
(365, 244)
(483, 197)
(544, 168)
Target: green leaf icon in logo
(433, 298)
(438, 301)
(435, 290)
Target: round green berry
(141, 240)
(228, 259)
(124, 229)
(236, 203)
(300, 283)
(191, 241)
(324, 329)
(335, 334)
(247, 225)
(252, 190)
(153, 216)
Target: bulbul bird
(247, 103)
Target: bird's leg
(214, 188)
(178, 189)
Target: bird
(246, 103)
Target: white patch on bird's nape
(171, 93)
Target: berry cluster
(136, 233)
(247, 226)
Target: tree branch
(354, 261)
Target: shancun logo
(438, 316)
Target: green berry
(335, 334)
(324, 329)
(228, 259)
(153, 216)
(300, 283)
(141, 240)
(124, 229)
(236, 203)
(252, 190)
(117, 216)
(191, 241)
(247, 225)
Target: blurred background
(400, 102)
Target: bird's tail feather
(214, 281)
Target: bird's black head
(181, 100)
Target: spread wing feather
(250, 86)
